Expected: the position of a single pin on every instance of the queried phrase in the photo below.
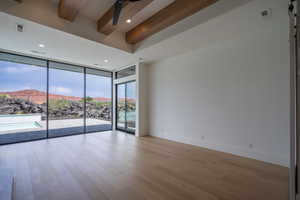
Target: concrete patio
(56, 128)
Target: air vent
(20, 28)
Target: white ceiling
(59, 45)
(95, 9)
(147, 12)
(61, 41)
(179, 38)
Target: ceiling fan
(118, 8)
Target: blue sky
(14, 76)
(130, 90)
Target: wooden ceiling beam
(130, 9)
(166, 17)
(68, 9)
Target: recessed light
(41, 45)
(106, 61)
(128, 21)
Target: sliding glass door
(43, 99)
(130, 106)
(98, 100)
(66, 95)
(23, 97)
(121, 121)
(126, 106)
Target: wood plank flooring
(117, 166)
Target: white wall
(231, 95)
(142, 100)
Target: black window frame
(129, 71)
(116, 102)
(48, 61)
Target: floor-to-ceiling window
(41, 99)
(131, 105)
(126, 106)
(66, 99)
(126, 99)
(23, 98)
(121, 106)
(98, 100)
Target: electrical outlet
(267, 13)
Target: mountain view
(23, 92)
(38, 97)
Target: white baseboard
(278, 160)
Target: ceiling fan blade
(117, 11)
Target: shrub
(58, 104)
(88, 99)
(4, 96)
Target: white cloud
(18, 69)
(60, 89)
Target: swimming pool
(16, 118)
(19, 125)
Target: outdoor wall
(231, 95)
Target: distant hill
(39, 97)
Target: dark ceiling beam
(130, 9)
(68, 9)
(166, 17)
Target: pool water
(130, 116)
(19, 125)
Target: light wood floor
(112, 166)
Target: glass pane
(130, 106)
(98, 101)
(126, 72)
(121, 106)
(66, 92)
(22, 59)
(22, 100)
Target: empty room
(149, 100)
